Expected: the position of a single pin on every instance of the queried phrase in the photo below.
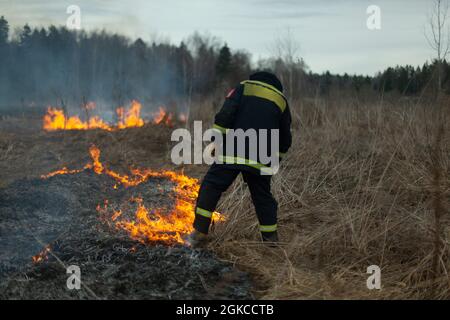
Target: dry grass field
(363, 184)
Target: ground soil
(60, 212)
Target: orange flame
(41, 256)
(131, 117)
(55, 119)
(149, 225)
(163, 117)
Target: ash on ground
(60, 212)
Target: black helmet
(267, 77)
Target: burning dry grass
(56, 119)
(52, 221)
(148, 225)
(358, 188)
(28, 151)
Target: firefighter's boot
(196, 239)
(270, 237)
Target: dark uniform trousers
(217, 180)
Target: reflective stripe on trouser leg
(203, 212)
(265, 204)
(202, 220)
(268, 228)
(215, 182)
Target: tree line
(47, 65)
(412, 81)
(54, 65)
(405, 80)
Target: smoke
(58, 67)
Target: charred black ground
(61, 211)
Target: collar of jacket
(264, 85)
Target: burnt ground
(61, 212)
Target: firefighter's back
(261, 107)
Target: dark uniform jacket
(254, 105)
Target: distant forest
(55, 65)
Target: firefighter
(257, 103)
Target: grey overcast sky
(332, 33)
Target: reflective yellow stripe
(239, 160)
(203, 212)
(270, 228)
(264, 91)
(264, 85)
(220, 128)
(247, 162)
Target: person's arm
(226, 116)
(285, 132)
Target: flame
(96, 165)
(131, 117)
(163, 117)
(41, 256)
(149, 225)
(55, 119)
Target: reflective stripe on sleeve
(220, 128)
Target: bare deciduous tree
(287, 63)
(438, 34)
(439, 40)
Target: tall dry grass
(363, 184)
